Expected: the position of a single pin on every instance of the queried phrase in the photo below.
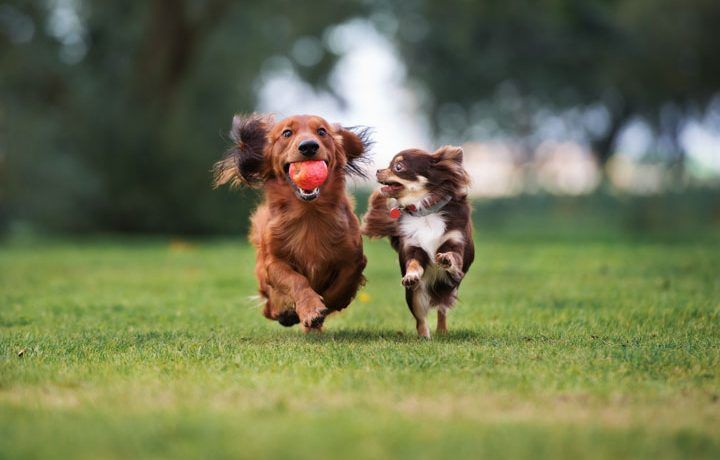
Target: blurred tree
(112, 113)
(603, 61)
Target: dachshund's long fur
(309, 250)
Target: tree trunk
(168, 48)
(603, 148)
(676, 155)
(164, 53)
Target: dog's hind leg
(413, 261)
(345, 284)
(442, 320)
(418, 301)
(444, 304)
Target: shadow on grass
(389, 335)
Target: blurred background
(576, 115)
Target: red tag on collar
(395, 213)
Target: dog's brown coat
(309, 253)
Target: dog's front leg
(413, 260)
(309, 304)
(449, 258)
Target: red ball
(308, 174)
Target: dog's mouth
(390, 187)
(301, 193)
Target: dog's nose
(308, 148)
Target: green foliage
(559, 348)
(124, 139)
(113, 123)
(669, 216)
(505, 62)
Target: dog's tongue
(308, 175)
(390, 188)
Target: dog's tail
(377, 222)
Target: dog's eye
(321, 131)
(287, 133)
(398, 167)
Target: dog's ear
(449, 154)
(449, 159)
(243, 163)
(356, 144)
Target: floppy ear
(243, 162)
(356, 143)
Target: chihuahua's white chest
(426, 232)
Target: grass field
(559, 348)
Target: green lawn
(559, 348)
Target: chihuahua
(422, 208)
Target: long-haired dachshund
(309, 250)
(423, 209)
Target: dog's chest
(426, 232)
(313, 245)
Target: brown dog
(423, 209)
(309, 250)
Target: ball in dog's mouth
(306, 177)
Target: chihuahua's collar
(427, 206)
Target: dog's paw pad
(444, 260)
(288, 318)
(315, 319)
(410, 281)
(317, 322)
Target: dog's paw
(312, 312)
(444, 260)
(314, 318)
(313, 324)
(411, 280)
(449, 261)
(288, 318)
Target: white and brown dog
(423, 209)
